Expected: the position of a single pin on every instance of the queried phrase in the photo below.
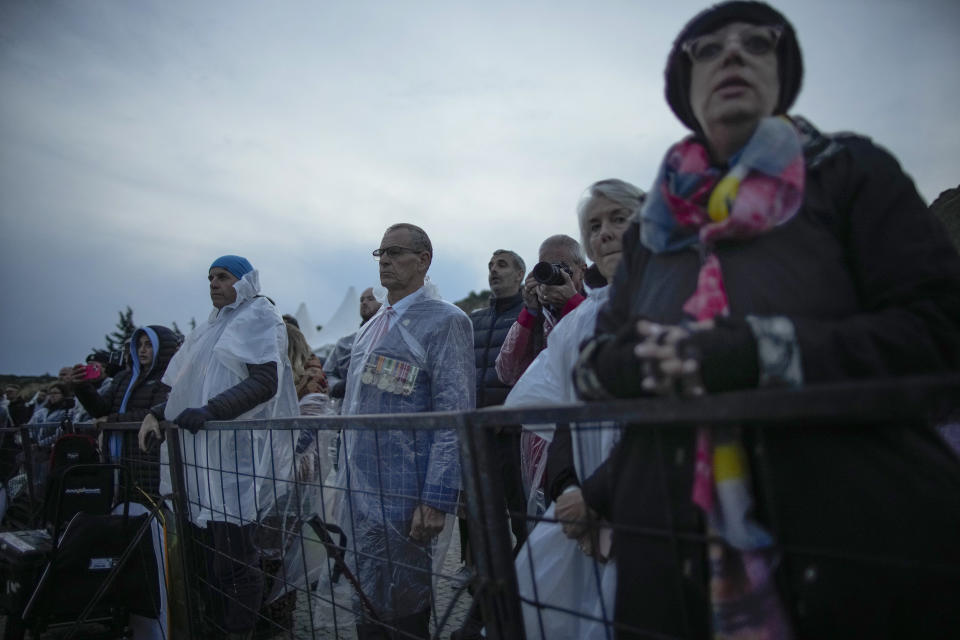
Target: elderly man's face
(11, 392)
(368, 304)
(222, 292)
(405, 271)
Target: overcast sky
(141, 140)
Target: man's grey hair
(418, 237)
(571, 246)
(517, 260)
(617, 191)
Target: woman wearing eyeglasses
(771, 254)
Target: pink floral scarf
(695, 205)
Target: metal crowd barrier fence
(301, 545)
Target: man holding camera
(557, 292)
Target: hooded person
(130, 396)
(233, 366)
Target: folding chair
(101, 569)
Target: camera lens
(547, 273)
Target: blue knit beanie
(237, 265)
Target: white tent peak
(344, 321)
(307, 328)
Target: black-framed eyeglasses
(394, 251)
(757, 40)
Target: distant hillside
(475, 300)
(28, 384)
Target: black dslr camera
(549, 273)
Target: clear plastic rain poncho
(563, 575)
(424, 362)
(230, 474)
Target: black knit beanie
(789, 58)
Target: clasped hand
(582, 524)
(668, 368)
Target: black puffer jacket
(490, 327)
(147, 389)
(872, 286)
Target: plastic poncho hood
(221, 465)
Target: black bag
(71, 449)
(91, 546)
(89, 489)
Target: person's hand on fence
(193, 419)
(149, 428)
(667, 369)
(573, 513)
(427, 523)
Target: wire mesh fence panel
(765, 509)
(655, 518)
(291, 534)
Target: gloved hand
(338, 390)
(192, 419)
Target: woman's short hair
(617, 191)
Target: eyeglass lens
(756, 41)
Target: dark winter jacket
(146, 390)
(490, 327)
(872, 286)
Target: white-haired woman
(564, 563)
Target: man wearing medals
(414, 355)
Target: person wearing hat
(772, 254)
(233, 366)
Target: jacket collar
(500, 304)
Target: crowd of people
(766, 253)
